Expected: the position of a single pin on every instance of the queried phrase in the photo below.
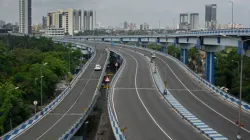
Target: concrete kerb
(114, 123)
(70, 133)
(38, 116)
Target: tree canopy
(21, 63)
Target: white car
(153, 55)
(98, 67)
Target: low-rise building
(54, 31)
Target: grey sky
(114, 12)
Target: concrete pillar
(163, 49)
(112, 43)
(210, 67)
(184, 56)
(210, 50)
(184, 51)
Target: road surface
(140, 107)
(216, 113)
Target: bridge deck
(223, 121)
(135, 91)
(58, 121)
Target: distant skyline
(114, 12)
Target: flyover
(72, 107)
(140, 107)
(208, 41)
(208, 107)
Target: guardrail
(114, 123)
(38, 116)
(67, 135)
(188, 116)
(214, 89)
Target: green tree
(11, 107)
(174, 51)
(194, 61)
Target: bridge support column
(210, 50)
(184, 56)
(163, 49)
(184, 51)
(210, 67)
(112, 43)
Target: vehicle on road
(98, 67)
(153, 55)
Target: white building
(89, 20)
(77, 20)
(61, 19)
(54, 32)
(67, 21)
(25, 19)
(194, 21)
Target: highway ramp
(58, 121)
(209, 108)
(140, 107)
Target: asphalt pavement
(141, 108)
(212, 110)
(59, 120)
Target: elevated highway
(141, 108)
(212, 110)
(58, 121)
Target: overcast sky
(115, 12)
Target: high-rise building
(141, 27)
(2, 23)
(77, 20)
(25, 19)
(67, 21)
(61, 19)
(184, 21)
(89, 20)
(125, 26)
(146, 26)
(44, 22)
(194, 21)
(49, 20)
(210, 16)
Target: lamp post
(241, 73)
(42, 82)
(69, 60)
(232, 13)
(10, 112)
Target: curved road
(59, 120)
(140, 107)
(212, 110)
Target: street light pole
(42, 82)
(232, 13)
(241, 73)
(241, 77)
(69, 60)
(10, 112)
